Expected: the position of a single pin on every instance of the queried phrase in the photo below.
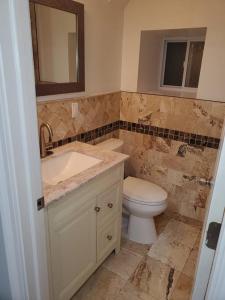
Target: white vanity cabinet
(83, 227)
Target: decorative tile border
(189, 138)
(89, 135)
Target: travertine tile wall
(94, 112)
(157, 160)
(174, 165)
(189, 115)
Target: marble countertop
(108, 159)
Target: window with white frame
(181, 64)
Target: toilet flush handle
(109, 237)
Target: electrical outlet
(75, 110)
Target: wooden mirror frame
(68, 87)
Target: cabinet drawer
(108, 204)
(106, 239)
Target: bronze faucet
(45, 147)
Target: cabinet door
(72, 246)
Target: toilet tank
(112, 145)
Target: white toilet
(142, 199)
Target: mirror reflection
(57, 45)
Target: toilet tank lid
(143, 191)
(111, 144)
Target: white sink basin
(66, 165)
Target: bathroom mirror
(58, 46)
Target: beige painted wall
(149, 61)
(163, 14)
(103, 47)
(151, 54)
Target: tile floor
(140, 272)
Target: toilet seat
(144, 192)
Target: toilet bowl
(142, 199)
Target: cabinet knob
(109, 237)
(110, 205)
(97, 209)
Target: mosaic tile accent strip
(189, 138)
(89, 135)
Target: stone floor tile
(174, 244)
(130, 292)
(154, 278)
(184, 219)
(102, 285)
(135, 247)
(182, 289)
(190, 265)
(161, 221)
(123, 264)
(165, 273)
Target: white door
(22, 224)
(215, 212)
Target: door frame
(214, 213)
(20, 177)
(216, 286)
